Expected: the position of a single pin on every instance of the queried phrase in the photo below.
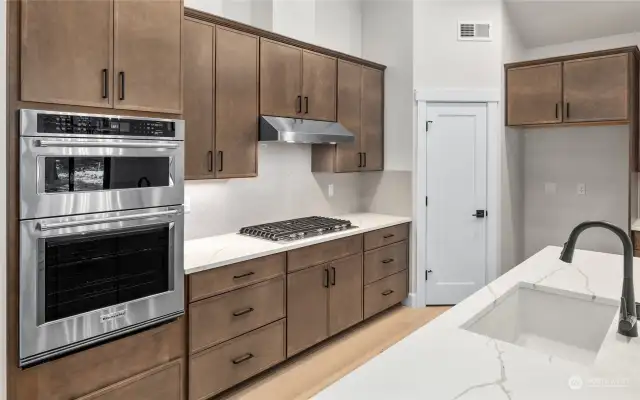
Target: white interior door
(456, 248)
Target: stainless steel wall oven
(101, 231)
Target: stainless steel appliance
(101, 231)
(296, 130)
(295, 229)
(79, 163)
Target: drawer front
(636, 240)
(223, 317)
(324, 252)
(385, 261)
(162, 383)
(219, 280)
(223, 366)
(383, 237)
(384, 293)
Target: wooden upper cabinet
(597, 88)
(307, 308)
(147, 55)
(371, 126)
(318, 86)
(345, 295)
(236, 72)
(280, 79)
(349, 92)
(66, 52)
(534, 94)
(198, 99)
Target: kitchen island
(444, 360)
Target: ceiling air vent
(474, 31)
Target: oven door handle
(129, 145)
(43, 226)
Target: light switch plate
(581, 189)
(187, 204)
(330, 190)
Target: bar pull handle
(221, 157)
(210, 161)
(387, 292)
(359, 160)
(326, 278)
(105, 83)
(387, 261)
(333, 279)
(242, 359)
(298, 104)
(69, 224)
(306, 104)
(243, 312)
(243, 275)
(557, 110)
(365, 159)
(390, 235)
(567, 109)
(121, 75)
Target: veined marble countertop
(635, 225)
(442, 361)
(217, 251)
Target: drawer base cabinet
(385, 293)
(219, 368)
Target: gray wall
(596, 156)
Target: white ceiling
(547, 22)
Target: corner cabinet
(220, 101)
(99, 54)
(361, 111)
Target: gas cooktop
(295, 229)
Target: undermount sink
(566, 326)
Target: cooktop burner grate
(295, 229)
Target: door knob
(480, 214)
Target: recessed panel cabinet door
(345, 296)
(236, 104)
(596, 89)
(147, 55)
(319, 86)
(66, 52)
(307, 308)
(534, 95)
(371, 127)
(198, 99)
(349, 92)
(280, 79)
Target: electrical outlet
(581, 189)
(330, 190)
(550, 188)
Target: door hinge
(426, 274)
(426, 200)
(427, 125)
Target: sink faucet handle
(627, 321)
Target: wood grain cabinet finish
(385, 236)
(147, 55)
(382, 294)
(223, 317)
(280, 79)
(162, 383)
(371, 128)
(324, 252)
(318, 86)
(229, 363)
(66, 49)
(95, 368)
(345, 293)
(596, 88)
(385, 261)
(220, 280)
(307, 308)
(348, 155)
(534, 94)
(636, 240)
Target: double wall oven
(101, 231)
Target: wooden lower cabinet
(307, 308)
(385, 261)
(161, 383)
(323, 253)
(219, 368)
(383, 237)
(345, 294)
(385, 293)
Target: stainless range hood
(295, 130)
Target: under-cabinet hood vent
(474, 31)
(296, 130)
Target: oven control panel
(95, 125)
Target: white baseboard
(412, 301)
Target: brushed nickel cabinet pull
(387, 292)
(243, 275)
(387, 261)
(242, 359)
(243, 312)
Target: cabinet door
(147, 55)
(345, 296)
(534, 95)
(372, 119)
(596, 89)
(198, 99)
(236, 104)
(66, 52)
(307, 308)
(349, 93)
(318, 86)
(280, 79)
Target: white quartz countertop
(217, 251)
(442, 361)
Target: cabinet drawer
(385, 261)
(223, 279)
(223, 366)
(223, 317)
(385, 236)
(324, 252)
(162, 383)
(384, 293)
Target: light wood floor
(308, 373)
